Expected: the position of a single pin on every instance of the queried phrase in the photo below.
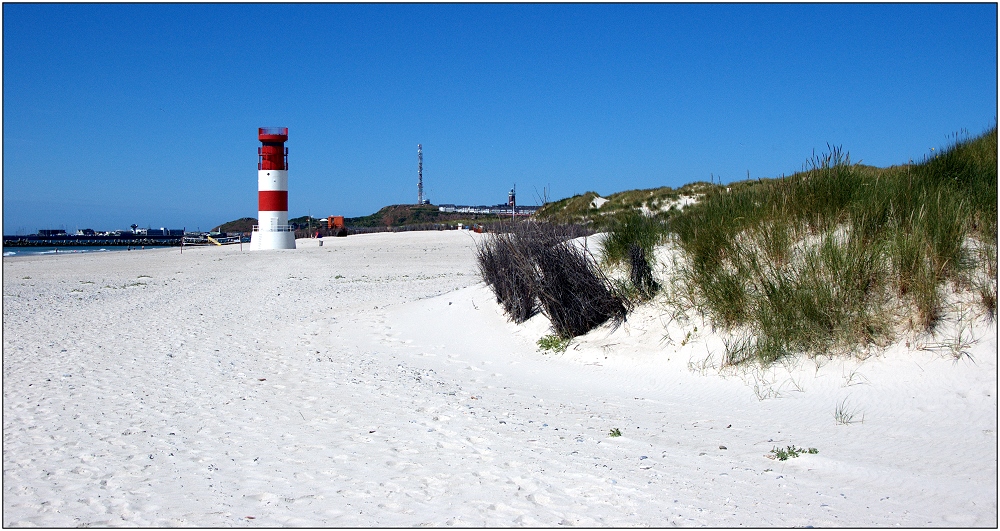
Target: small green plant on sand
(782, 454)
(688, 336)
(554, 343)
(844, 415)
(615, 432)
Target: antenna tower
(420, 174)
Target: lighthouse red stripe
(272, 200)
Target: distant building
(85, 232)
(484, 209)
(51, 232)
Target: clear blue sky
(147, 113)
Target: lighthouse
(272, 230)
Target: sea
(75, 249)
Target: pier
(70, 240)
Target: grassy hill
(237, 225)
(402, 215)
(390, 216)
(660, 202)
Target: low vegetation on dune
(833, 259)
(841, 256)
(659, 203)
(630, 242)
(414, 215)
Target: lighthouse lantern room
(272, 230)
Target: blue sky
(147, 113)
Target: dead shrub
(535, 266)
(510, 273)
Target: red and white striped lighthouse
(272, 230)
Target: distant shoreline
(70, 240)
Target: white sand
(375, 382)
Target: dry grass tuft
(537, 266)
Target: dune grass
(838, 256)
(629, 229)
(630, 241)
(833, 259)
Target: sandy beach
(374, 381)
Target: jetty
(71, 240)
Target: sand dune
(374, 381)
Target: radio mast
(420, 175)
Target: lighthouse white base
(260, 240)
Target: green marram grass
(629, 228)
(838, 256)
(630, 242)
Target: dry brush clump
(536, 266)
(509, 271)
(574, 293)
